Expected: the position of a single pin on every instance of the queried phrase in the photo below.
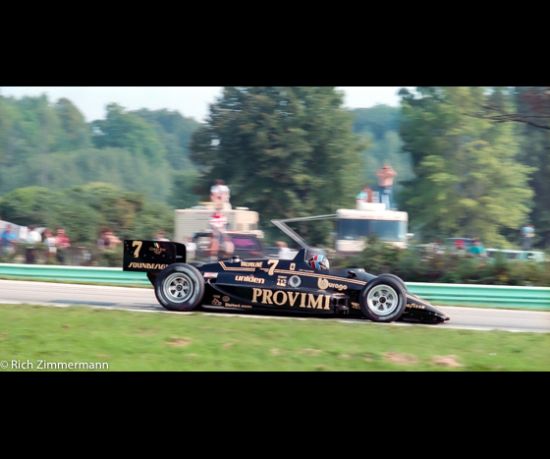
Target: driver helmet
(319, 263)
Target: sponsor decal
(216, 300)
(150, 266)
(292, 299)
(281, 281)
(355, 305)
(251, 279)
(235, 305)
(324, 283)
(231, 305)
(225, 298)
(249, 264)
(157, 249)
(415, 306)
(295, 281)
(292, 266)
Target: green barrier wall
(495, 296)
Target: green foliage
(468, 177)
(84, 210)
(418, 265)
(76, 132)
(379, 128)
(174, 131)
(121, 129)
(534, 104)
(51, 145)
(182, 196)
(284, 151)
(129, 341)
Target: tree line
(470, 161)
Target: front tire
(179, 287)
(384, 299)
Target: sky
(189, 101)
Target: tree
(121, 129)
(84, 210)
(534, 104)
(76, 132)
(468, 177)
(182, 195)
(379, 127)
(285, 151)
(174, 131)
(532, 109)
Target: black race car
(291, 286)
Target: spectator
(33, 239)
(50, 242)
(107, 240)
(160, 235)
(284, 252)
(527, 236)
(460, 247)
(477, 248)
(102, 243)
(438, 247)
(34, 236)
(220, 241)
(386, 176)
(219, 195)
(62, 243)
(7, 241)
(190, 248)
(365, 195)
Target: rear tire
(179, 287)
(384, 299)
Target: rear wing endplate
(151, 256)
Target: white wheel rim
(178, 288)
(383, 300)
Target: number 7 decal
(273, 264)
(138, 245)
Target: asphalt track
(143, 299)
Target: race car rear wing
(151, 256)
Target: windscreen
(386, 230)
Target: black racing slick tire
(397, 279)
(179, 287)
(384, 299)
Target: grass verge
(197, 342)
